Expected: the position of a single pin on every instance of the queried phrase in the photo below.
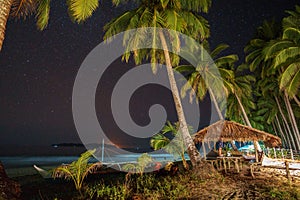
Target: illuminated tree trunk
(246, 119)
(292, 119)
(5, 6)
(287, 142)
(287, 126)
(220, 113)
(188, 141)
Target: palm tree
(290, 78)
(178, 15)
(261, 52)
(78, 170)
(240, 100)
(174, 146)
(203, 73)
(284, 53)
(4, 13)
(198, 76)
(142, 162)
(78, 10)
(5, 9)
(270, 93)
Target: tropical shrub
(77, 170)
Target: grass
(183, 185)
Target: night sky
(38, 69)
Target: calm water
(27, 161)
(19, 161)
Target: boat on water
(44, 173)
(115, 163)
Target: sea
(20, 158)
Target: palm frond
(23, 8)
(275, 46)
(42, 15)
(226, 60)
(196, 27)
(159, 141)
(218, 50)
(285, 54)
(196, 5)
(290, 79)
(294, 85)
(291, 34)
(80, 10)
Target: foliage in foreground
(78, 170)
(173, 146)
(142, 162)
(147, 186)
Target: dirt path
(243, 186)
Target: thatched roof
(228, 131)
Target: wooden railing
(279, 153)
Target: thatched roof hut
(229, 130)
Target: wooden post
(224, 163)
(252, 170)
(237, 165)
(241, 163)
(275, 156)
(287, 168)
(204, 152)
(219, 166)
(292, 155)
(215, 145)
(209, 145)
(255, 149)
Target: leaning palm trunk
(292, 118)
(285, 122)
(216, 104)
(219, 112)
(296, 100)
(287, 142)
(243, 110)
(191, 148)
(285, 131)
(278, 133)
(256, 144)
(5, 6)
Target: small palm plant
(174, 146)
(77, 170)
(142, 162)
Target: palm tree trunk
(296, 100)
(4, 13)
(288, 132)
(290, 140)
(215, 103)
(285, 122)
(243, 110)
(276, 133)
(287, 142)
(191, 148)
(292, 118)
(246, 119)
(219, 113)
